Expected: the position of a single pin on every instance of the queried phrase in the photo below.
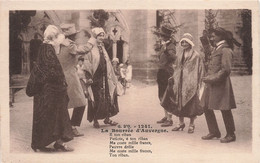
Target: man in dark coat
(167, 56)
(218, 93)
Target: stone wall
(231, 20)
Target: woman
(187, 82)
(50, 114)
(219, 93)
(104, 82)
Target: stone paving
(139, 106)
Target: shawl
(187, 76)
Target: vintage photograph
(130, 83)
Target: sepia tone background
(143, 75)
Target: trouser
(212, 122)
(77, 116)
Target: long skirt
(170, 104)
(103, 107)
(51, 120)
(191, 109)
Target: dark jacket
(219, 94)
(167, 57)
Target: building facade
(130, 33)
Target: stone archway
(119, 32)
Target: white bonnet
(98, 30)
(187, 37)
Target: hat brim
(72, 34)
(189, 41)
(161, 33)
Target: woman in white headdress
(48, 86)
(104, 82)
(187, 81)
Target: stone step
(239, 62)
(239, 69)
(235, 73)
(239, 65)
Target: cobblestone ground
(140, 106)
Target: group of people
(187, 89)
(123, 72)
(56, 86)
(71, 67)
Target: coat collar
(220, 43)
(218, 49)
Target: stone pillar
(125, 52)
(114, 49)
(151, 21)
(25, 57)
(201, 27)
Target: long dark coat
(105, 101)
(50, 114)
(218, 94)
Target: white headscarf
(53, 36)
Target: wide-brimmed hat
(187, 37)
(220, 30)
(164, 31)
(68, 29)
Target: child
(85, 78)
(122, 77)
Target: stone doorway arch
(118, 31)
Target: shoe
(96, 124)
(167, 123)
(76, 133)
(110, 122)
(191, 129)
(43, 149)
(179, 127)
(228, 138)
(162, 120)
(62, 147)
(211, 136)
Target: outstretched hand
(206, 79)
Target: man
(69, 59)
(167, 55)
(218, 94)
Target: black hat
(220, 31)
(164, 31)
